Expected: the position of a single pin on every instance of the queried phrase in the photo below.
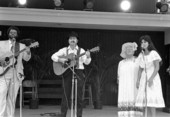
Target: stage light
(88, 5)
(125, 5)
(22, 3)
(162, 6)
(59, 4)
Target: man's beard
(73, 42)
(12, 38)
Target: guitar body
(4, 69)
(59, 68)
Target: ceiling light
(22, 3)
(162, 6)
(125, 5)
(88, 5)
(59, 4)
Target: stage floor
(46, 111)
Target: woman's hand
(137, 84)
(150, 82)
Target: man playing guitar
(11, 71)
(65, 57)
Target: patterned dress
(127, 74)
(154, 93)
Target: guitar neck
(83, 54)
(80, 55)
(17, 53)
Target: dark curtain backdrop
(110, 42)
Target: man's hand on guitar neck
(28, 51)
(88, 54)
(62, 60)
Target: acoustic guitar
(59, 68)
(5, 67)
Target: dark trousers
(67, 89)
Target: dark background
(110, 42)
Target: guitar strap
(67, 52)
(17, 49)
(77, 61)
(78, 53)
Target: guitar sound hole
(7, 59)
(67, 63)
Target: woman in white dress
(127, 76)
(149, 85)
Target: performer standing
(9, 81)
(127, 76)
(149, 60)
(67, 76)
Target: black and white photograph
(84, 58)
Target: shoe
(57, 115)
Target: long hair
(147, 38)
(151, 46)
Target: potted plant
(31, 73)
(34, 101)
(103, 69)
(97, 73)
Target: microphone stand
(146, 78)
(20, 84)
(13, 75)
(13, 82)
(74, 93)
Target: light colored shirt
(63, 52)
(10, 44)
(5, 52)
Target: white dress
(154, 93)
(127, 74)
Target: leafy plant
(104, 70)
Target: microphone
(143, 54)
(13, 39)
(143, 51)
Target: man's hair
(73, 34)
(13, 28)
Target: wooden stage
(47, 111)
